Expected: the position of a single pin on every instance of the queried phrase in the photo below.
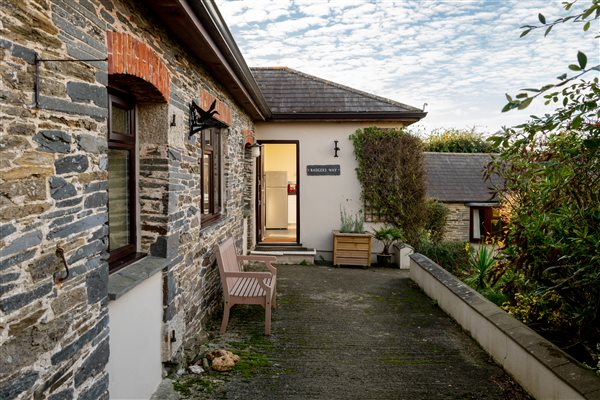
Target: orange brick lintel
(249, 137)
(128, 55)
(223, 110)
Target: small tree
(390, 170)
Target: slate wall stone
(70, 164)
(457, 227)
(53, 191)
(53, 141)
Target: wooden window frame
(488, 228)
(215, 151)
(125, 255)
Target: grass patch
(251, 363)
(253, 359)
(189, 386)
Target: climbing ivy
(390, 170)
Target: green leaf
(586, 26)
(522, 96)
(507, 107)
(577, 122)
(525, 32)
(588, 12)
(562, 77)
(548, 31)
(582, 58)
(542, 18)
(508, 97)
(574, 67)
(525, 103)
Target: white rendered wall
(134, 366)
(321, 196)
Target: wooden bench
(240, 287)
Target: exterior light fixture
(335, 148)
(255, 150)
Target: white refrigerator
(276, 202)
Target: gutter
(210, 14)
(199, 28)
(350, 116)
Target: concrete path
(346, 333)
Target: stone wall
(457, 227)
(53, 182)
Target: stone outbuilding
(458, 181)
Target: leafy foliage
(551, 168)
(457, 141)
(451, 255)
(481, 262)
(388, 235)
(390, 170)
(437, 219)
(351, 223)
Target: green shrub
(481, 262)
(457, 141)
(450, 255)
(437, 219)
(550, 166)
(390, 170)
(388, 235)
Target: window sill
(132, 275)
(211, 224)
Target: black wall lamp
(335, 148)
(200, 119)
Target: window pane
(476, 223)
(216, 178)
(207, 133)
(206, 174)
(119, 119)
(118, 198)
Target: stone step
(290, 255)
(282, 247)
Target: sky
(457, 57)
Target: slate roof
(458, 177)
(292, 94)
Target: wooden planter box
(351, 249)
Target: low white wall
(540, 367)
(134, 366)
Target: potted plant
(351, 245)
(388, 235)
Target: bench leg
(225, 321)
(268, 318)
(275, 296)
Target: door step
(287, 247)
(287, 254)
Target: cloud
(460, 57)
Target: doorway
(278, 194)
